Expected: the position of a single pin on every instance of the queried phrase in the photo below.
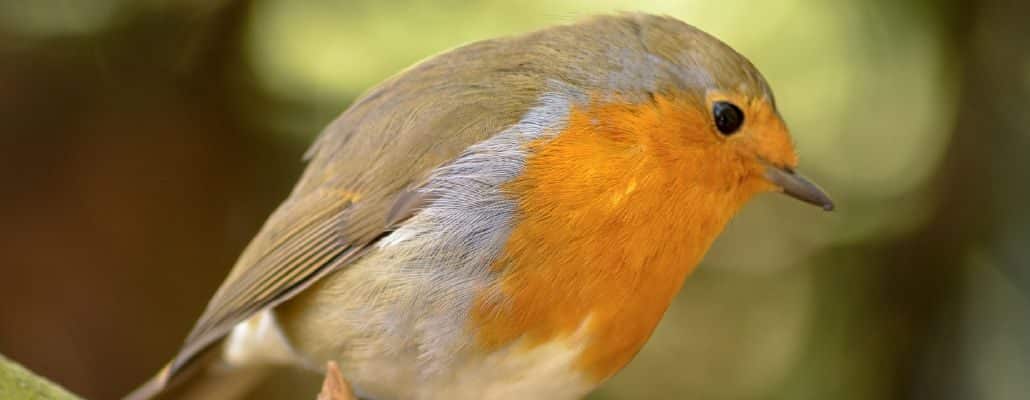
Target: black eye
(728, 117)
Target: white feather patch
(256, 341)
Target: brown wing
(311, 234)
(301, 241)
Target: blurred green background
(144, 142)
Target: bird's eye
(728, 117)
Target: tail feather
(208, 378)
(150, 388)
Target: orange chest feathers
(607, 231)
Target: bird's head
(671, 112)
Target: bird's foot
(334, 387)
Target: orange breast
(612, 218)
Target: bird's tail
(208, 378)
(150, 388)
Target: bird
(509, 219)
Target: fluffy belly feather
(543, 372)
(400, 330)
(385, 365)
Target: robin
(506, 220)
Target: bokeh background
(143, 142)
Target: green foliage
(18, 383)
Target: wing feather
(274, 269)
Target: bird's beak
(798, 187)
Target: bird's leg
(334, 387)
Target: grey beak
(798, 187)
